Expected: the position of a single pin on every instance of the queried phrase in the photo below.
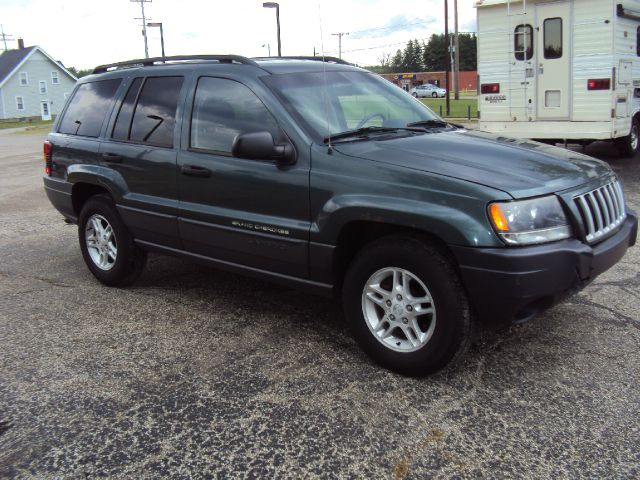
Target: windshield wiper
(433, 123)
(364, 131)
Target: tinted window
(553, 38)
(224, 109)
(523, 39)
(123, 122)
(89, 107)
(155, 114)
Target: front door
(246, 212)
(554, 64)
(45, 112)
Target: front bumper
(514, 284)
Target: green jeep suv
(323, 176)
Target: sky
(86, 33)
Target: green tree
(434, 56)
(468, 51)
(412, 56)
(397, 63)
(79, 73)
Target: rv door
(554, 57)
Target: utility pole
(339, 35)
(5, 37)
(457, 51)
(446, 43)
(144, 25)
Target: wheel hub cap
(398, 309)
(101, 242)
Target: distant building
(32, 84)
(468, 79)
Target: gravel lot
(194, 372)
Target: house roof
(10, 59)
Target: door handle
(112, 157)
(195, 171)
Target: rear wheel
(106, 244)
(628, 146)
(406, 306)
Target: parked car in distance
(428, 90)
(329, 178)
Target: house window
(20, 103)
(523, 42)
(553, 38)
(54, 78)
(43, 86)
(24, 79)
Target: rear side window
(123, 122)
(553, 38)
(148, 111)
(224, 109)
(523, 42)
(89, 107)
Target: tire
(628, 146)
(445, 332)
(117, 269)
(415, 95)
(434, 95)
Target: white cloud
(85, 33)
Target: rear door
(554, 61)
(141, 145)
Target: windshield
(333, 102)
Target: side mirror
(262, 146)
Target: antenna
(324, 90)
(5, 37)
(144, 25)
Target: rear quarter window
(88, 108)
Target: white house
(32, 84)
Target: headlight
(528, 222)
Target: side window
(154, 117)
(24, 79)
(88, 108)
(123, 122)
(224, 109)
(552, 38)
(523, 42)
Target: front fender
(463, 224)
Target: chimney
(20, 44)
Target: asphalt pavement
(194, 372)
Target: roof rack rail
(147, 62)
(317, 58)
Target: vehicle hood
(522, 168)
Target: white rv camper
(566, 70)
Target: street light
(268, 45)
(277, 7)
(158, 24)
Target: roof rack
(318, 58)
(147, 62)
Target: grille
(602, 210)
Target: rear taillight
(490, 88)
(599, 84)
(48, 149)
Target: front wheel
(628, 146)
(406, 306)
(106, 244)
(415, 95)
(434, 95)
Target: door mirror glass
(261, 146)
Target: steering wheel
(363, 122)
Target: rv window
(523, 42)
(638, 42)
(553, 38)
